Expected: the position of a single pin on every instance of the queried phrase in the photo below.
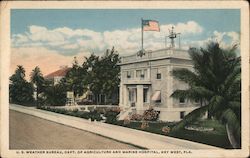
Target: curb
(122, 134)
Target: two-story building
(146, 81)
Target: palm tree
(216, 82)
(20, 90)
(36, 78)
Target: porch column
(125, 95)
(121, 102)
(169, 87)
(139, 103)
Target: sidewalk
(123, 134)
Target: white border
(5, 62)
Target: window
(138, 73)
(145, 95)
(158, 76)
(141, 73)
(128, 74)
(145, 73)
(132, 95)
(182, 100)
(182, 114)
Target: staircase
(126, 112)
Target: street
(30, 132)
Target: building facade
(146, 81)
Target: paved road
(29, 132)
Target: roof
(59, 73)
(167, 53)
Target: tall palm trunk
(231, 137)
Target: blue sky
(101, 20)
(73, 32)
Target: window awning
(156, 96)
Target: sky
(50, 38)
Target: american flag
(150, 25)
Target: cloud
(225, 39)
(51, 48)
(189, 28)
(67, 41)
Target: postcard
(124, 79)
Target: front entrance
(132, 96)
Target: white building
(147, 81)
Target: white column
(149, 73)
(169, 87)
(125, 95)
(121, 102)
(139, 104)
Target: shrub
(75, 111)
(165, 129)
(126, 122)
(136, 117)
(94, 115)
(151, 115)
(111, 116)
(144, 125)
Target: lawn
(216, 137)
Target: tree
(111, 72)
(36, 78)
(21, 91)
(55, 94)
(103, 73)
(216, 82)
(91, 65)
(75, 79)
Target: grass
(217, 137)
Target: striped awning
(156, 96)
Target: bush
(165, 129)
(144, 125)
(136, 117)
(126, 122)
(93, 115)
(151, 115)
(111, 116)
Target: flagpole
(142, 35)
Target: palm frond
(229, 117)
(216, 105)
(191, 117)
(192, 93)
(185, 75)
(234, 76)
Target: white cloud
(38, 33)
(52, 48)
(125, 41)
(191, 27)
(234, 35)
(225, 39)
(70, 46)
